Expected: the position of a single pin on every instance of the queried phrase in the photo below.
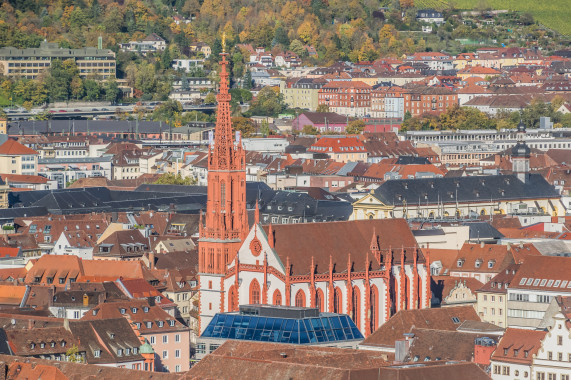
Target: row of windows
(165, 339)
(528, 314)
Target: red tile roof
(338, 145)
(13, 148)
(21, 178)
(519, 346)
(301, 242)
(549, 273)
(405, 320)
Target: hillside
(554, 14)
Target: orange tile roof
(548, 273)
(347, 84)
(338, 145)
(514, 344)
(13, 148)
(21, 178)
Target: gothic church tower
(226, 220)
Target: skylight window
(549, 283)
(536, 282)
(556, 283)
(563, 284)
(455, 320)
(522, 281)
(529, 281)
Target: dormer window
(122, 310)
(460, 262)
(32, 346)
(42, 345)
(149, 325)
(127, 351)
(120, 352)
(478, 263)
(97, 353)
(160, 323)
(506, 351)
(134, 310)
(171, 323)
(146, 309)
(135, 350)
(491, 263)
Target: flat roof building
(279, 324)
(28, 63)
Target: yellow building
(492, 304)
(16, 158)
(301, 93)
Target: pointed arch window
(319, 300)
(254, 292)
(277, 299)
(337, 301)
(300, 298)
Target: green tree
(210, 98)
(175, 179)
(247, 80)
(268, 103)
(322, 108)
(167, 111)
(309, 130)
(355, 127)
(92, 90)
(112, 91)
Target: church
(368, 269)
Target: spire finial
(224, 42)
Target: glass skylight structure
(279, 325)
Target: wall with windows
(526, 308)
(553, 361)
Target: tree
(265, 128)
(322, 108)
(309, 130)
(112, 91)
(355, 127)
(210, 98)
(92, 90)
(268, 103)
(73, 355)
(167, 111)
(248, 80)
(245, 125)
(297, 47)
(175, 179)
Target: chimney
(152, 260)
(85, 300)
(402, 347)
(482, 244)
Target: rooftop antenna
(100, 43)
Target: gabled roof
(13, 148)
(463, 189)
(519, 346)
(302, 242)
(483, 258)
(548, 273)
(447, 318)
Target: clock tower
(225, 223)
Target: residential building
(429, 100)
(301, 92)
(350, 98)
(434, 60)
(514, 355)
(342, 149)
(29, 63)
(188, 65)
(16, 158)
(201, 47)
(553, 360)
(168, 337)
(430, 16)
(322, 121)
(538, 280)
(492, 305)
(387, 102)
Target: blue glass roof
(327, 327)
